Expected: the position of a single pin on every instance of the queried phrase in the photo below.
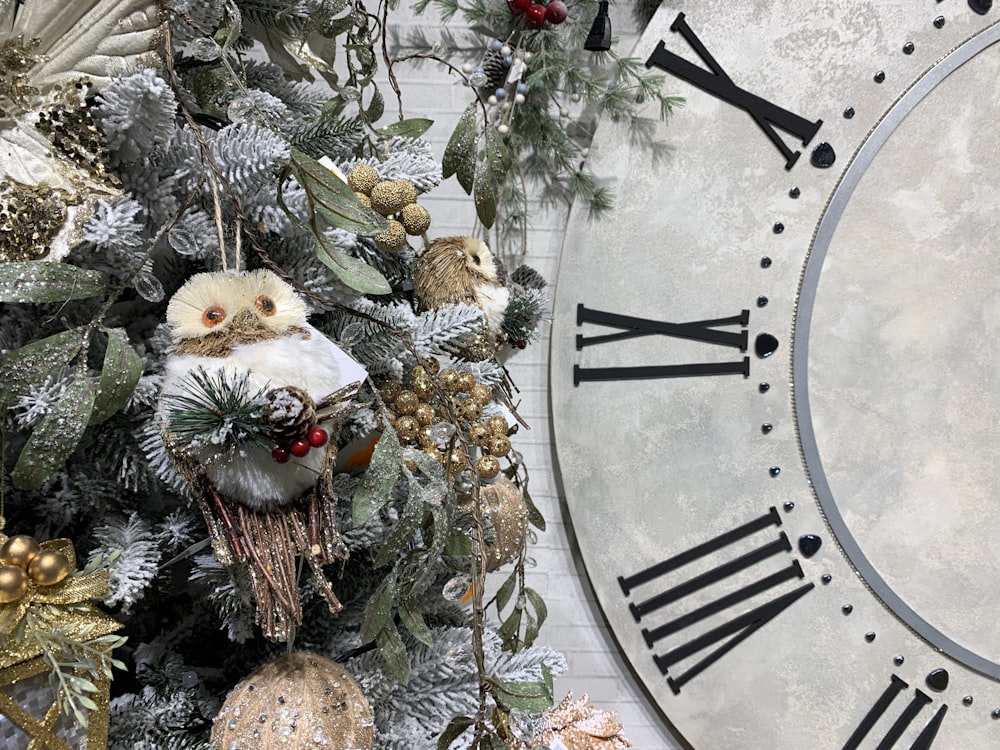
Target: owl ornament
(250, 407)
(462, 269)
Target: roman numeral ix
(706, 331)
(718, 83)
(728, 635)
(920, 699)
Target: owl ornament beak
(246, 327)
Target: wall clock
(775, 377)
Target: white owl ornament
(263, 499)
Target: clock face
(775, 377)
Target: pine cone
(495, 70)
(291, 412)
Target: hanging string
(218, 220)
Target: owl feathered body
(254, 324)
(461, 269)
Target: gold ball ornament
(407, 428)
(426, 438)
(422, 388)
(13, 583)
(471, 410)
(424, 414)
(297, 702)
(499, 446)
(415, 219)
(391, 240)
(449, 379)
(432, 365)
(456, 460)
(406, 402)
(481, 394)
(407, 191)
(49, 567)
(389, 197)
(364, 199)
(390, 389)
(479, 434)
(466, 382)
(19, 550)
(505, 505)
(497, 425)
(362, 178)
(487, 467)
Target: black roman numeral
(706, 331)
(718, 83)
(920, 699)
(729, 634)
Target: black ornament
(826, 578)
(939, 22)
(870, 636)
(898, 660)
(967, 700)
(765, 262)
(765, 345)
(766, 427)
(879, 77)
(908, 48)
(774, 471)
(847, 609)
(938, 679)
(794, 193)
(995, 713)
(764, 387)
(762, 301)
(778, 227)
(982, 7)
(823, 156)
(809, 544)
(849, 113)
(789, 506)
(599, 38)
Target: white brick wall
(575, 626)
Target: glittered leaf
(531, 696)
(426, 465)
(509, 629)
(376, 486)
(460, 153)
(332, 199)
(458, 544)
(355, 273)
(535, 517)
(38, 281)
(119, 375)
(483, 197)
(378, 611)
(531, 627)
(453, 731)
(497, 156)
(55, 436)
(393, 653)
(412, 128)
(505, 591)
(405, 528)
(411, 618)
(32, 363)
(376, 108)
(537, 604)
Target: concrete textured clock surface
(775, 379)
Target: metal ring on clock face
(839, 521)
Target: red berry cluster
(315, 438)
(519, 344)
(536, 14)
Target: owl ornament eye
(212, 316)
(266, 305)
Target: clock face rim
(801, 326)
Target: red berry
(518, 6)
(317, 437)
(535, 16)
(555, 12)
(300, 447)
(280, 455)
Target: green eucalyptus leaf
(460, 153)
(458, 544)
(378, 612)
(456, 727)
(33, 362)
(376, 486)
(532, 696)
(509, 629)
(353, 272)
(413, 620)
(330, 196)
(531, 628)
(121, 371)
(497, 155)
(56, 435)
(505, 591)
(393, 653)
(38, 281)
(537, 604)
(535, 517)
(376, 108)
(483, 197)
(411, 128)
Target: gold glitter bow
(77, 590)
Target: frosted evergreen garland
(215, 155)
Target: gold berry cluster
(22, 559)
(422, 417)
(394, 199)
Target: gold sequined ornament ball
(297, 702)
